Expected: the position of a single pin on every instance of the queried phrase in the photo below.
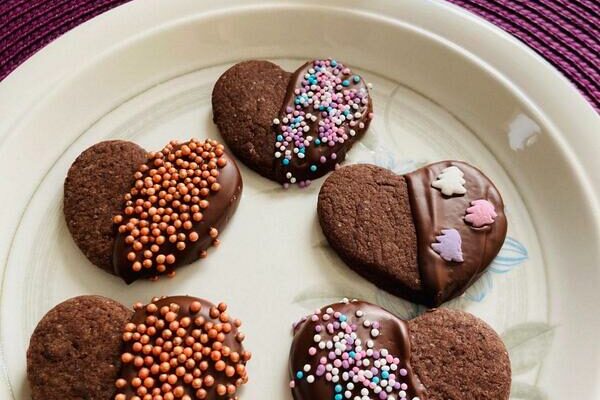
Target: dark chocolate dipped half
(181, 198)
(182, 347)
(356, 350)
(140, 215)
(425, 236)
(291, 128)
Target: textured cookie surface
(182, 347)
(365, 214)
(458, 356)
(93, 195)
(246, 99)
(74, 351)
(291, 128)
(355, 349)
(425, 236)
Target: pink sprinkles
(325, 98)
(356, 369)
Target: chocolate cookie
(425, 236)
(356, 350)
(291, 128)
(93, 194)
(182, 348)
(141, 215)
(75, 349)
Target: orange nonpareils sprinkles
(182, 348)
(167, 202)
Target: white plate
(446, 85)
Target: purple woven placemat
(565, 32)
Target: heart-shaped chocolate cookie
(291, 127)
(425, 236)
(178, 347)
(356, 350)
(140, 215)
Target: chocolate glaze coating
(393, 336)
(383, 225)
(223, 205)
(232, 341)
(300, 168)
(432, 211)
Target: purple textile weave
(564, 32)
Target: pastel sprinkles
(329, 105)
(338, 351)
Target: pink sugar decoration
(481, 213)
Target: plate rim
(12, 86)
